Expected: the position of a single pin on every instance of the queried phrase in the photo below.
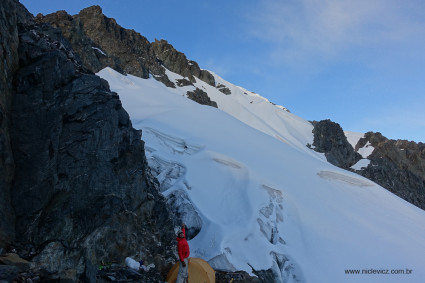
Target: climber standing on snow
(183, 251)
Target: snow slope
(256, 111)
(265, 199)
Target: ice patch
(168, 173)
(221, 262)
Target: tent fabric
(199, 272)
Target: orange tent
(199, 272)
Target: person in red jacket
(183, 251)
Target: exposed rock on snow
(200, 96)
(223, 89)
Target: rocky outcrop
(101, 42)
(81, 188)
(397, 165)
(224, 89)
(329, 138)
(177, 62)
(200, 96)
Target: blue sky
(360, 63)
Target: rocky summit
(101, 42)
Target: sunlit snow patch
(366, 150)
(362, 163)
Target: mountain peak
(94, 10)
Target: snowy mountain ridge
(258, 198)
(399, 166)
(255, 111)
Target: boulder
(329, 138)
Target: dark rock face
(8, 273)
(397, 165)
(81, 188)
(329, 138)
(200, 96)
(8, 65)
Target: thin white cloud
(304, 29)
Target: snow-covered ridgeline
(256, 111)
